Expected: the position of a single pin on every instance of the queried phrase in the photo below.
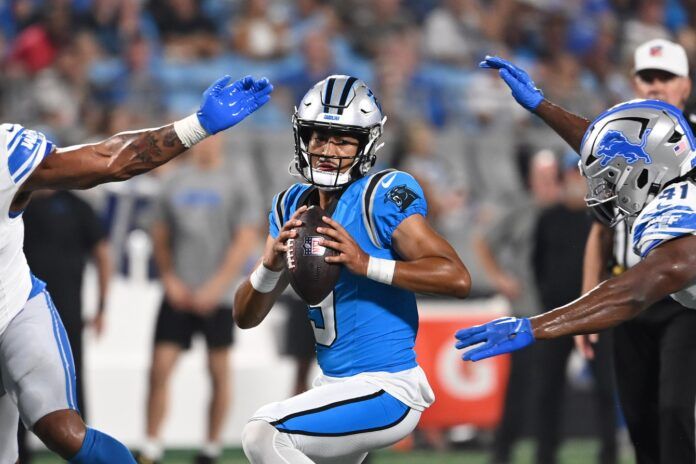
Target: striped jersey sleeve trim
(35, 160)
(26, 150)
(15, 140)
(279, 209)
(368, 200)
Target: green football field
(574, 452)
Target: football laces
(290, 254)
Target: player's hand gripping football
(496, 337)
(226, 104)
(523, 88)
(350, 253)
(275, 260)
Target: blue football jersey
(364, 325)
(672, 214)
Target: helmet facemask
(360, 164)
(601, 199)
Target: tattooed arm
(122, 156)
(117, 158)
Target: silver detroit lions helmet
(630, 153)
(341, 104)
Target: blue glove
(226, 105)
(499, 336)
(523, 88)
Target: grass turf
(573, 452)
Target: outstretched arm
(128, 154)
(117, 158)
(669, 268)
(569, 126)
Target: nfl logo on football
(311, 246)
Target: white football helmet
(630, 153)
(343, 105)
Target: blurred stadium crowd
(81, 70)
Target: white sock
(152, 449)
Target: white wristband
(381, 270)
(189, 130)
(263, 279)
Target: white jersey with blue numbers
(365, 326)
(672, 214)
(21, 151)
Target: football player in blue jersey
(639, 159)
(371, 392)
(37, 377)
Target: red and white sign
(465, 392)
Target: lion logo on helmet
(614, 144)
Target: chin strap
(292, 169)
(655, 186)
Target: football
(311, 277)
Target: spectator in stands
(318, 63)
(405, 85)
(114, 22)
(433, 172)
(205, 228)
(451, 32)
(371, 22)
(493, 158)
(259, 32)
(309, 16)
(61, 234)
(36, 46)
(17, 15)
(134, 83)
(59, 94)
(647, 23)
(187, 34)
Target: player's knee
(257, 440)
(253, 435)
(62, 432)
